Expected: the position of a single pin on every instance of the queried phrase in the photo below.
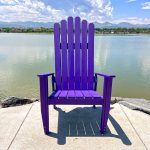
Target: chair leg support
(44, 103)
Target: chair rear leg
(54, 106)
(104, 117)
(94, 106)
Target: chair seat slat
(71, 93)
(86, 94)
(63, 94)
(78, 94)
(57, 93)
(94, 93)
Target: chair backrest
(74, 54)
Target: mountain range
(30, 24)
(120, 25)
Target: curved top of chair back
(74, 54)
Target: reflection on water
(23, 56)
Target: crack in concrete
(19, 127)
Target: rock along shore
(16, 101)
(142, 105)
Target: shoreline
(96, 34)
(142, 105)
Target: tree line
(122, 30)
(26, 30)
(97, 30)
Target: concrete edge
(141, 105)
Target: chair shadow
(84, 122)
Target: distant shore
(102, 31)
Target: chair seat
(75, 97)
(70, 94)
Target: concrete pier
(73, 128)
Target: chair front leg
(106, 103)
(44, 102)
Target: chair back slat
(74, 54)
(77, 53)
(64, 54)
(90, 56)
(84, 55)
(57, 55)
(70, 54)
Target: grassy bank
(97, 30)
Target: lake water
(23, 56)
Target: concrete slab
(10, 122)
(74, 127)
(141, 123)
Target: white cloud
(37, 10)
(131, 1)
(133, 20)
(99, 10)
(146, 5)
(9, 1)
(28, 10)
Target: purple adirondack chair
(74, 81)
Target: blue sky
(115, 11)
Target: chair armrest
(44, 78)
(105, 75)
(107, 86)
(45, 74)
